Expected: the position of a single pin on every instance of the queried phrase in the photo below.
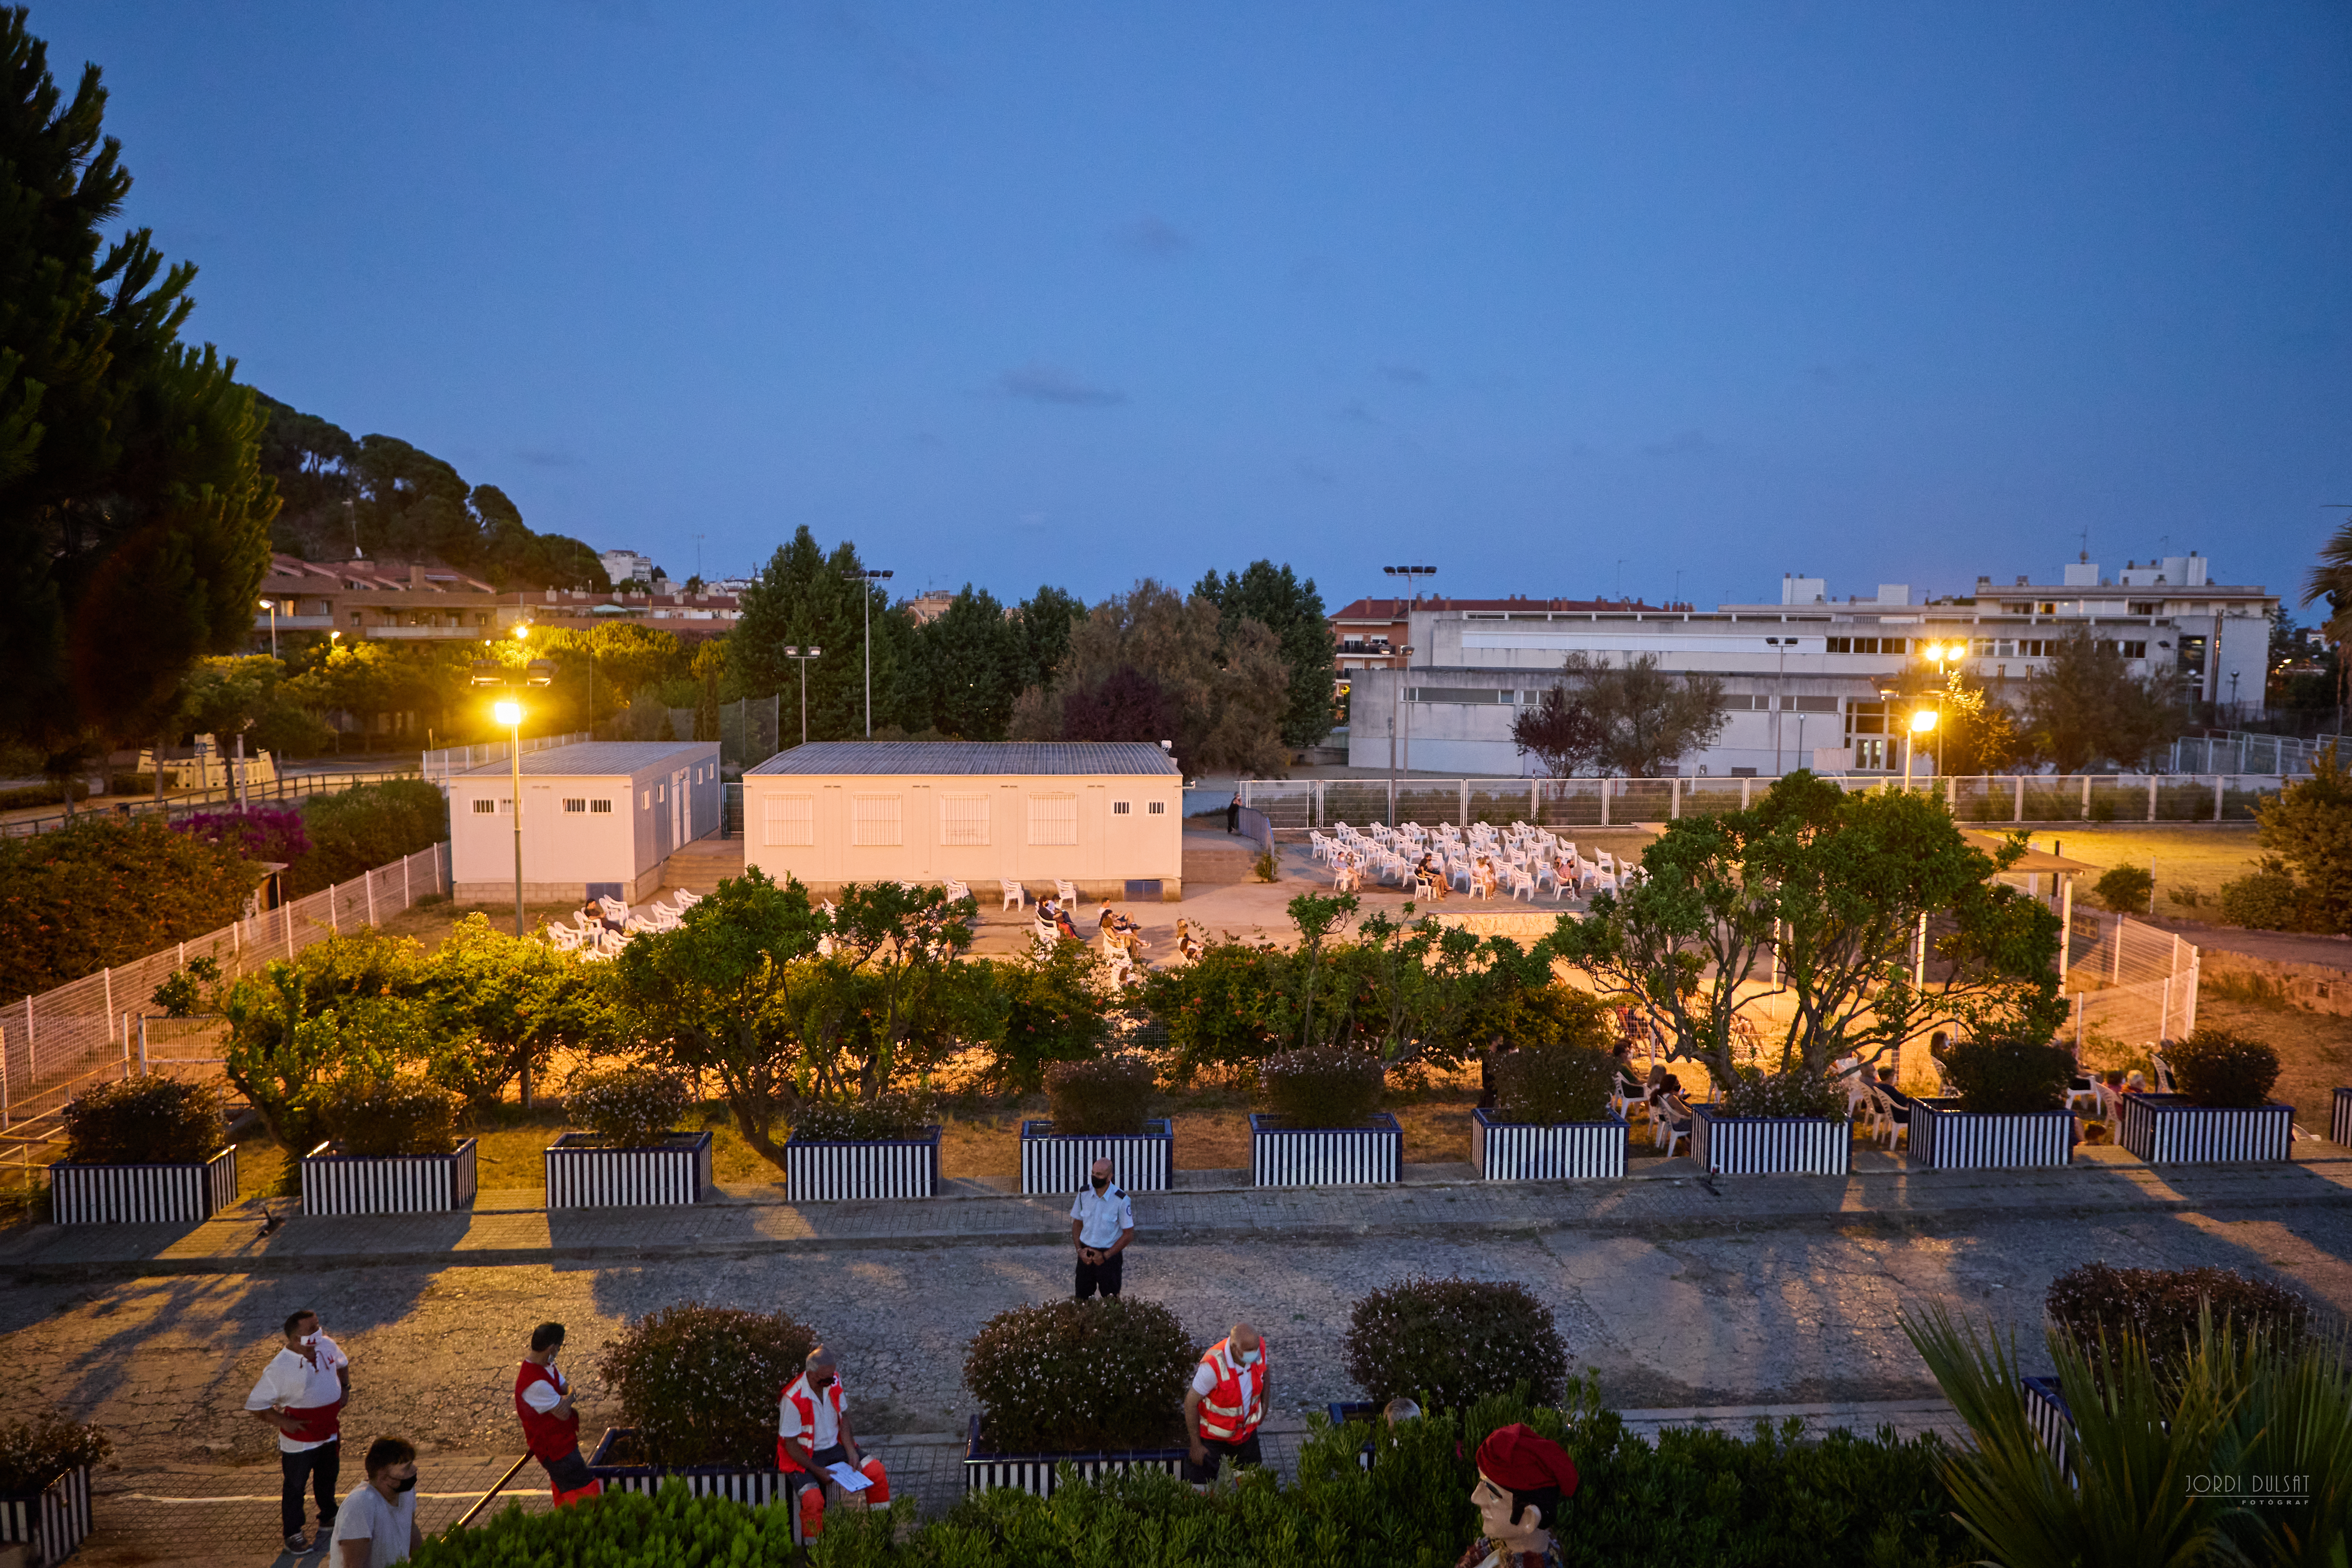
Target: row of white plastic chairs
(596, 939)
(1521, 871)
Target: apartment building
(1803, 676)
(405, 602)
(1371, 633)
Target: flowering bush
(374, 1117)
(2215, 1067)
(885, 1116)
(1795, 1093)
(360, 829)
(1080, 1376)
(1110, 1094)
(700, 1382)
(1552, 1084)
(628, 1107)
(1456, 1342)
(144, 1122)
(35, 1452)
(1321, 1086)
(271, 833)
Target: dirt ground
(2315, 1051)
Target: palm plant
(2332, 580)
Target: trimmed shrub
(885, 1116)
(35, 1452)
(700, 1382)
(2264, 900)
(362, 828)
(2160, 1307)
(1455, 1341)
(1798, 1093)
(1079, 1376)
(1110, 1094)
(107, 891)
(390, 1116)
(2006, 1078)
(42, 795)
(144, 1122)
(2217, 1068)
(628, 1107)
(1553, 1084)
(1321, 1086)
(2125, 890)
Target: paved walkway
(507, 1228)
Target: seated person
(1063, 924)
(1895, 1097)
(1186, 942)
(1430, 872)
(1121, 930)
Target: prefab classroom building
(598, 817)
(1107, 816)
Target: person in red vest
(1224, 1405)
(1523, 1478)
(812, 1434)
(551, 1427)
(301, 1393)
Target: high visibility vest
(798, 1394)
(1230, 1411)
(547, 1437)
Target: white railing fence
(1293, 805)
(2243, 751)
(2133, 984)
(450, 760)
(86, 1029)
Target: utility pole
(865, 578)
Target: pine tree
(1293, 611)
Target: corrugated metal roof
(596, 759)
(1010, 757)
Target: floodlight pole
(865, 578)
(514, 756)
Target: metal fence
(284, 787)
(2132, 983)
(1293, 805)
(2243, 751)
(440, 765)
(86, 1029)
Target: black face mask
(1101, 1183)
(403, 1484)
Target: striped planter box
(1039, 1474)
(1771, 1145)
(581, 1173)
(142, 1195)
(825, 1171)
(1946, 1138)
(2340, 1126)
(387, 1183)
(2165, 1129)
(1143, 1162)
(755, 1486)
(1284, 1156)
(1531, 1151)
(53, 1521)
(2046, 1412)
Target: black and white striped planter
(142, 1195)
(1283, 1156)
(336, 1184)
(1946, 1138)
(1534, 1152)
(2165, 1129)
(1039, 1474)
(755, 1486)
(2046, 1412)
(53, 1521)
(823, 1171)
(1055, 1162)
(2340, 1126)
(583, 1173)
(1771, 1145)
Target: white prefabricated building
(1107, 816)
(598, 816)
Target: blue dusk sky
(1559, 298)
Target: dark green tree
(1293, 611)
(1045, 619)
(967, 670)
(133, 515)
(804, 598)
(2085, 707)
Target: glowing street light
(803, 655)
(1923, 721)
(508, 711)
(271, 605)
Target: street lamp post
(271, 605)
(508, 711)
(1943, 655)
(802, 656)
(1397, 709)
(1922, 721)
(862, 578)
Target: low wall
(2313, 985)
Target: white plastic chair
(1666, 1129)
(1015, 895)
(2162, 1070)
(1068, 892)
(564, 939)
(613, 909)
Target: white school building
(598, 816)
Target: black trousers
(320, 1467)
(1103, 1277)
(1245, 1452)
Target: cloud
(546, 457)
(1689, 443)
(1354, 412)
(1051, 383)
(1408, 375)
(1152, 238)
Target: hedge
(145, 1120)
(363, 827)
(106, 891)
(698, 1383)
(1079, 1376)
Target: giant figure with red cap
(1523, 1478)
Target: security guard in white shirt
(1102, 1222)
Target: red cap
(1522, 1459)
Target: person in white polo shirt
(301, 1393)
(1102, 1222)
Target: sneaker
(297, 1543)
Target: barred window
(1052, 819)
(791, 820)
(963, 819)
(1121, 809)
(485, 808)
(603, 806)
(1159, 808)
(874, 819)
(580, 805)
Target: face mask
(312, 1338)
(1101, 1182)
(403, 1483)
